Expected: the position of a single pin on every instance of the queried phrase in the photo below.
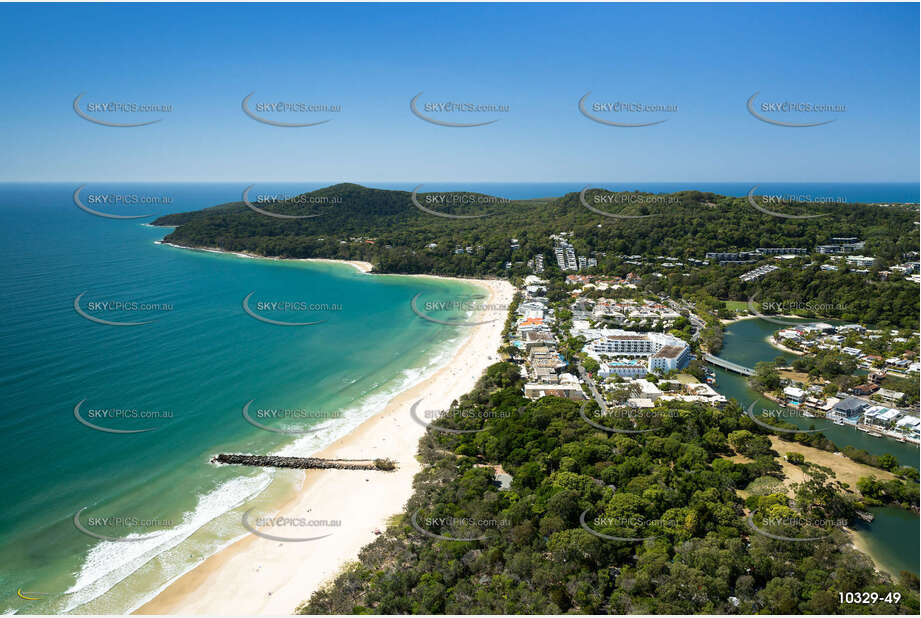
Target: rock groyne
(304, 463)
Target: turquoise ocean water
(195, 366)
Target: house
(910, 425)
(860, 260)
(865, 389)
(830, 403)
(848, 410)
(793, 394)
(880, 416)
(890, 395)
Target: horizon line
(416, 181)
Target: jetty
(304, 463)
(725, 364)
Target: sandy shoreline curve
(255, 575)
(364, 267)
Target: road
(696, 322)
(591, 386)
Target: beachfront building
(662, 352)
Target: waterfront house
(794, 395)
(909, 425)
(848, 410)
(879, 416)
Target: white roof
(889, 415)
(792, 391)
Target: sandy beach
(727, 321)
(364, 267)
(770, 339)
(256, 575)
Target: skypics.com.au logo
(782, 527)
(456, 414)
(260, 110)
(288, 528)
(127, 201)
(466, 529)
(454, 107)
(314, 419)
(298, 307)
(117, 308)
(121, 528)
(622, 110)
(771, 112)
(455, 198)
(426, 309)
(95, 111)
(635, 528)
(627, 415)
(127, 416)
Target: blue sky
(538, 59)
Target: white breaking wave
(109, 562)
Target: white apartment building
(664, 352)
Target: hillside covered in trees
(661, 522)
(385, 228)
